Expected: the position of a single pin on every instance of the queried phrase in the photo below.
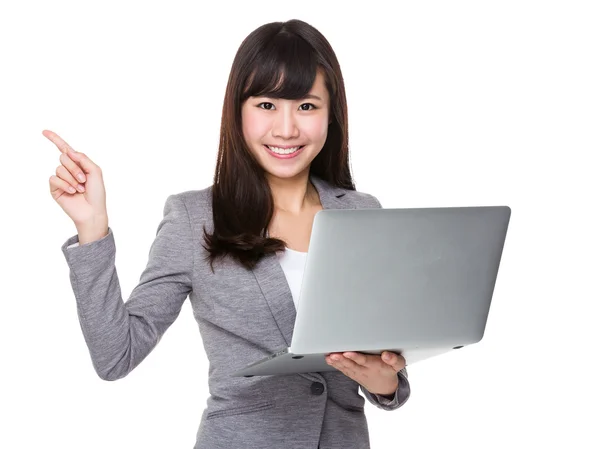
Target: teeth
(283, 151)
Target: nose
(284, 124)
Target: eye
(308, 104)
(268, 109)
(312, 106)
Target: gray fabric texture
(243, 315)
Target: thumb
(394, 360)
(84, 162)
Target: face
(275, 128)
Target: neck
(293, 195)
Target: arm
(119, 335)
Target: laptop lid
(377, 279)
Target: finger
(335, 356)
(84, 162)
(74, 169)
(346, 369)
(394, 360)
(60, 186)
(360, 359)
(64, 174)
(350, 364)
(57, 140)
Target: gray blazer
(243, 315)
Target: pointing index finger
(55, 138)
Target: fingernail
(81, 177)
(387, 356)
(80, 188)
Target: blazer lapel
(270, 276)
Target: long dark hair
(242, 204)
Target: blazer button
(317, 388)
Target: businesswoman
(237, 249)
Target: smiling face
(284, 135)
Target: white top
(291, 261)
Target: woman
(237, 249)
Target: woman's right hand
(87, 208)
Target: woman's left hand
(377, 374)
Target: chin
(287, 173)
(285, 169)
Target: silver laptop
(417, 282)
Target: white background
(451, 104)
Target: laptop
(417, 282)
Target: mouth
(284, 152)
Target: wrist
(390, 393)
(92, 230)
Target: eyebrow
(307, 96)
(312, 96)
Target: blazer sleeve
(403, 391)
(400, 397)
(119, 335)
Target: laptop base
(286, 362)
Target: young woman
(237, 248)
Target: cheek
(252, 126)
(319, 129)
